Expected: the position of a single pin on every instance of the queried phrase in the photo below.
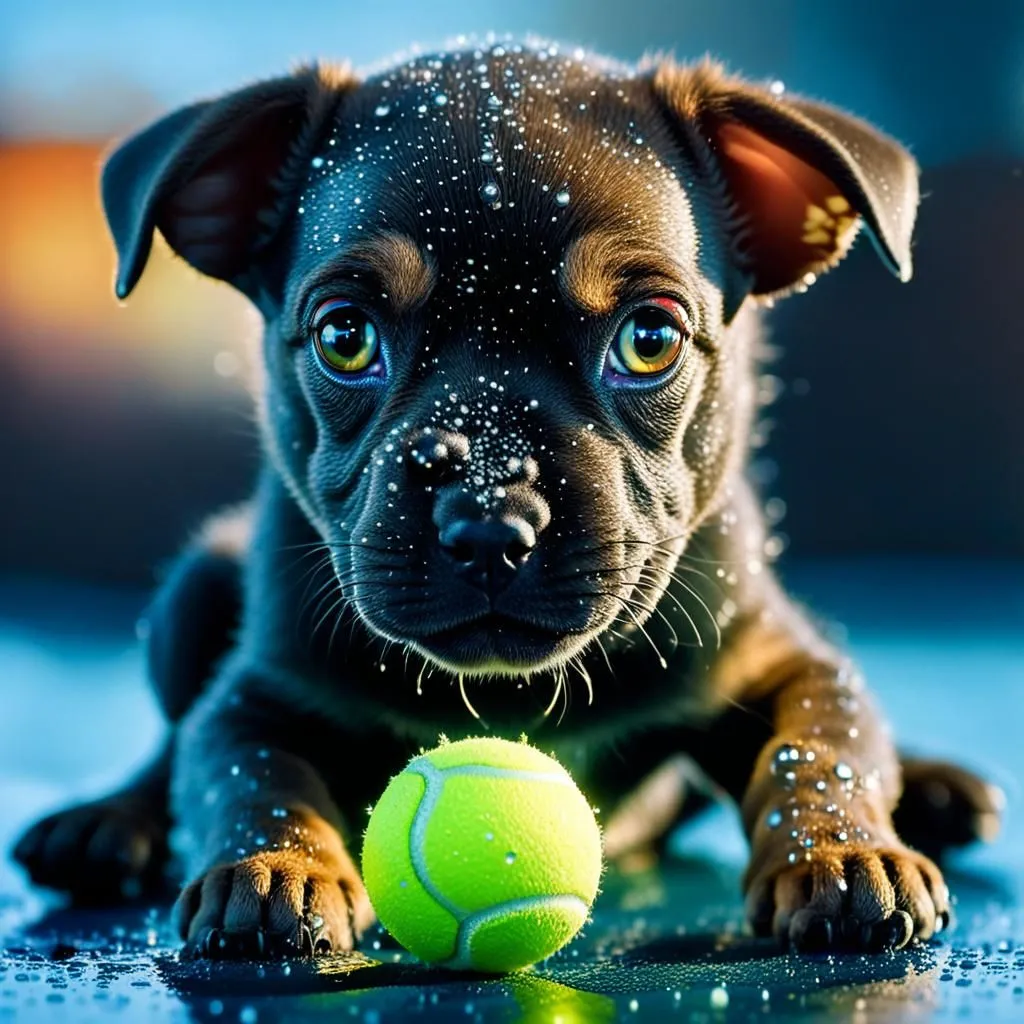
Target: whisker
(465, 700)
(700, 600)
(554, 696)
(577, 663)
(689, 618)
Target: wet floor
(942, 644)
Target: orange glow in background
(58, 314)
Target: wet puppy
(511, 301)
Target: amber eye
(650, 340)
(346, 339)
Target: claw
(818, 936)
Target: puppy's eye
(346, 339)
(650, 340)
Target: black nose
(487, 552)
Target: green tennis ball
(482, 854)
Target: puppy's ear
(214, 176)
(798, 177)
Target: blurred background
(899, 421)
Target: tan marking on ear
(815, 216)
(820, 228)
(406, 273)
(844, 225)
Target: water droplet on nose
(562, 198)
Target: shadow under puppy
(511, 305)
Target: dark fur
(306, 653)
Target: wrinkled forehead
(511, 153)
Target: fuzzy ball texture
(482, 854)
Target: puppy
(512, 335)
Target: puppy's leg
(271, 874)
(828, 867)
(114, 848)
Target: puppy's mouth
(497, 643)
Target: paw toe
(865, 900)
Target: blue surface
(941, 643)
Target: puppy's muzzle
(486, 511)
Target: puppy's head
(507, 346)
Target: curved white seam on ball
(469, 927)
(515, 774)
(434, 783)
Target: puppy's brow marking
(599, 263)
(404, 271)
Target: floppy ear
(798, 177)
(214, 176)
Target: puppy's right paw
(275, 903)
(101, 852)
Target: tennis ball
(482, 854)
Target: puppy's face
(497, 381)
(507, 377)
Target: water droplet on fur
(784, 756)
(843, 771)
(562, 198)
(510, 857)
(491, 194)
(382, 111)
(774, 820)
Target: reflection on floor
(943, 644)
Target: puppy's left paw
(850, 897)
